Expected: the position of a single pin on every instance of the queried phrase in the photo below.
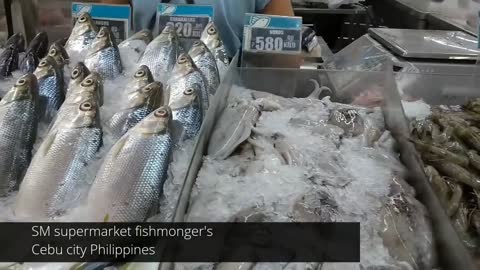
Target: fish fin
(47, 143)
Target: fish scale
(124, 121)
(17, 136)
(51, 96)
(106, 62)
(54, 177)
(190, 118)
(129, 182)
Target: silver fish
(141, 78)
(18, 40)
(78, 74)
(88, 88)
(36, 50)
(57, 171)
(8, 61)
(185, 75)
(58, 52)
(130, 181)
(82, 35)
(18, 125)
(187, 114)
(211, 38)
(205, 61)
(104, 57)
(50, 85)
(141, 103)
(161, 54)
(135, 46)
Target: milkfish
(161, 54)
(187, 114)
(9, 57)
(205, 61)
(211, 38)
(185, 75)
(50, 84)
(18, 126)
(37, 49)
(78, 74)
(129, 183)
(58, 169)
(90, 87)
(104, 57)
(82, 35)
(141, 78)
(58, 52)
(133, 48)
(8, 61)
(141, 103)
(18, 40)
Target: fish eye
(75, 73)
(102, 33)
(43, 63)
(147, 89)
(21, 82)
(182, 59)
(86, 106)
(140, 73)
(161, 113)
(189, 91)
(82, 18)
(212, 30)
(87, 82)
(52, 52)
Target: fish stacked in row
(449, 144)
(148, 123)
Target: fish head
(83, 25)
(198, 49)
(17, 40)
(144, 35)
(86, 115)
(211, 37)
(142, 77)
(184, 65)
(26, 87)
(58, 52)
(150, 95)
(103, 40)
(79, 73)
(155, 123)
(190, 97)
(92, 84)
(167, 36)
(47, 67)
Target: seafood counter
(82, 119)
(95, 131)
(275, 159)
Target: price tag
(272, 34)
(189, 20)
(116, 17)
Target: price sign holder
(188, 20)
(271, 40)
(116, 17)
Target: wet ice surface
(295, 167)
